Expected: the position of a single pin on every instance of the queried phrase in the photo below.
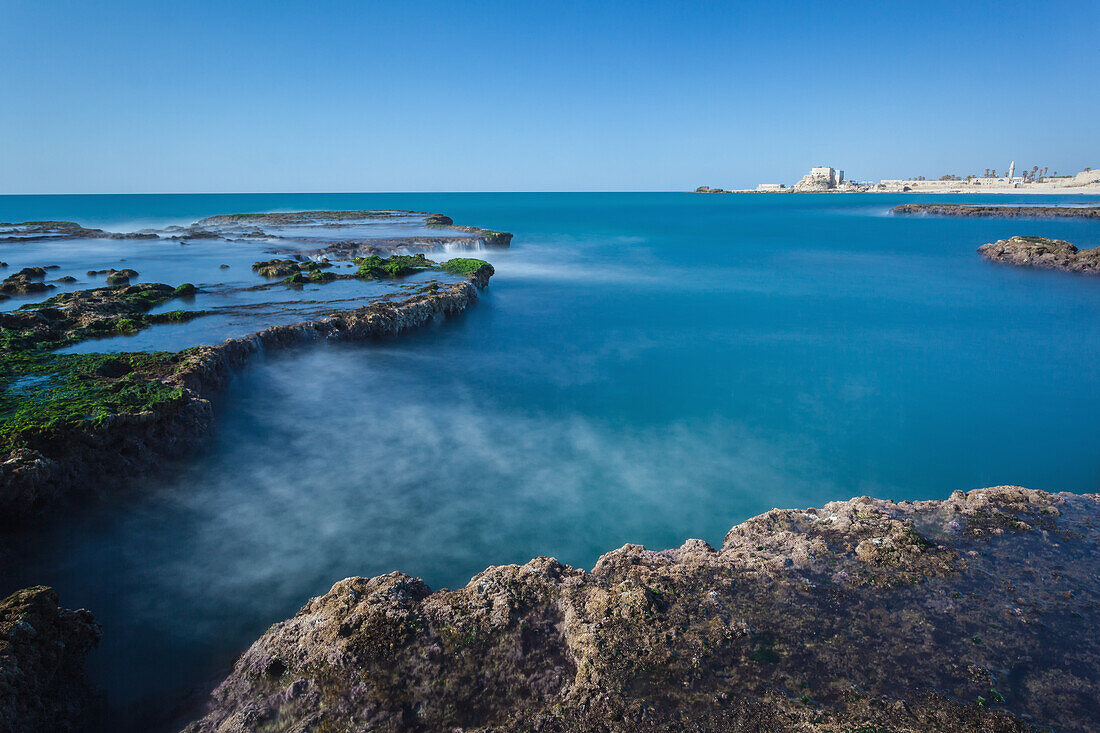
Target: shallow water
(643, 368)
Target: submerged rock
(26, 281)
(120, 277)
(1052, 254)
(1001, 212)
(978, 612)
(43, 685)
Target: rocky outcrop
(276, 268)
(1051, 254)
(38, 231)
(811, 183)
(1001, 212)
(43, 685)
(487, 237)
(978, 612)
(66, 457)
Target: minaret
(1011, 171)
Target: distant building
(820, 178)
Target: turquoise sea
(643, 368)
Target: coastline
(1090, 191)
(773, 699)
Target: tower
(1011, 171)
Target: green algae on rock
(977, 612)
(394, 266)
(371, 267)
(51, 403)
(276, 268)
(465, 266)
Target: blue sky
(496, 96)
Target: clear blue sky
(437, 96)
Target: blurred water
(643, 368)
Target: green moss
(464, 266)
(43, 392)
(378, 268)
(178, 316)
(128, 325)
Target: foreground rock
(1001, 212)
(43, 686)
(974, 613)
(1051, 254)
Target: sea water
(643, 368)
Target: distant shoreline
(826, 179)
(1091, 191)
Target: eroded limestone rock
(973, 613)
(1051, 254)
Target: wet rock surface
(974, 613)
(1001, 212)
(1051, 254)
(113, 416)
(43, 685)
